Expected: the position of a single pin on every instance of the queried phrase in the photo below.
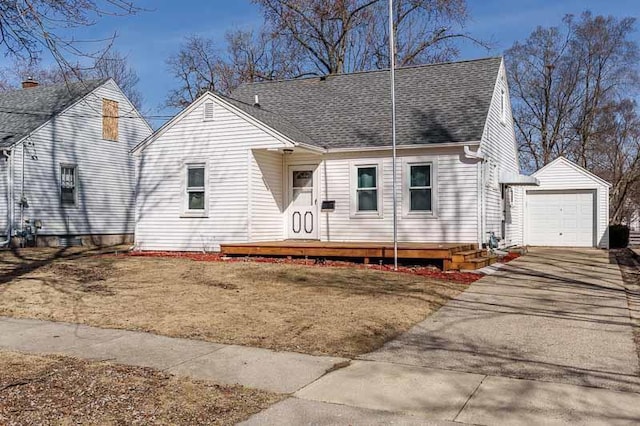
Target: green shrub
(618, 236)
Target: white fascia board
(403, 147)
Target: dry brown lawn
(316, 310)
(61, 390)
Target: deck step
(463, 256)
(474, 263)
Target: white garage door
(560, 218)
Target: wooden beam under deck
(364, 250)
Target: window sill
(194, 215)
(363, 215)
(420, 215)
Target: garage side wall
(563, 175)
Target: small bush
(618, 236)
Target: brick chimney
(29, 83)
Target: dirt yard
(61, 390)
(316, 310)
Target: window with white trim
(68, 185)
(195, 196)
(366, 189)
(419, 187)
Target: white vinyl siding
(499, 147)
(226, 144)
(105, 181)
(457, 203)
(562, 176)
(266, 209)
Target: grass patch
(63, 390)
(317, 310)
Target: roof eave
(411, 146)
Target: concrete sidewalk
(282, 372)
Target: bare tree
(607, 61)
(198, 66)
(543, 81)
(616, 156)
(351, 35)
(114, 65)
(563, 78)
(201, 65)
(111, 64)
(31, 28)
(427, 31)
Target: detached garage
(569, 208)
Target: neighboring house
(66, 171)
(311, 159)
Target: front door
(303, 203)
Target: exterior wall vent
(208, 111)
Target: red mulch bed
(425, 271)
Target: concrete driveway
(553, 315)
(546, 340)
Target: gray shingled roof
(436, 103)
(24, 110)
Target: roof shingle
(24, 110)
(436, 103)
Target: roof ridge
(342, 74)
(38, 88)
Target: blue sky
(150, 37)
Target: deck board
(352, 249)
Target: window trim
(503, 106)
(184, 189)
(406, 187)
(353, 189)
(75, 184)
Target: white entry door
(303, 203)
(562, 218)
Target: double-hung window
(420, 189)
(418, 192)
(195, 195)
(366, 189)
(68, 185)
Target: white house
(66, 171)
(310, 159)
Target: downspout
(479, 156)
(7, 155)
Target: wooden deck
(452, 256)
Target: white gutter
(402, 147)
(477, 155)
(7, 154)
